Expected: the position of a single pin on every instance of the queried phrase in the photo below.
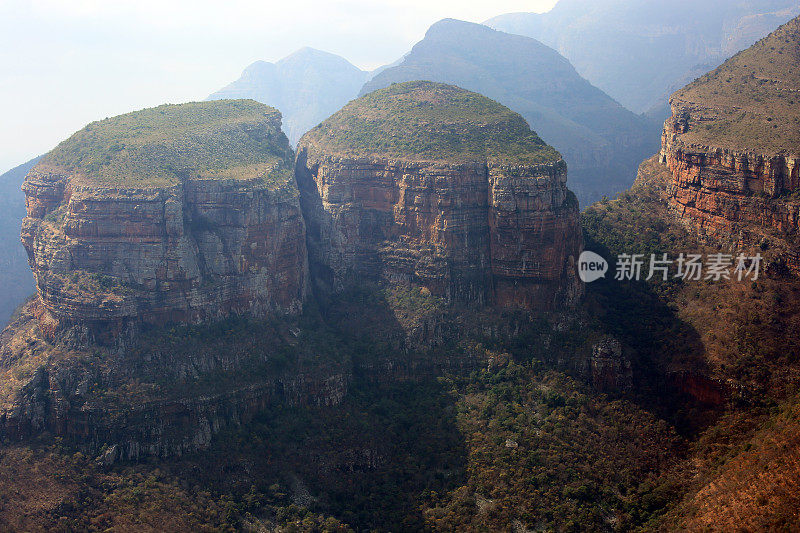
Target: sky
(65, 63)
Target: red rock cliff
(733, 147)
(198, 243)
(470, 227)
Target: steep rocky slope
(725, 181)
(176, 213)
(730, 346)
(306, 87)
(16, 282)
(601, 141)
(733, 147)
(638, 51)
(431, 184)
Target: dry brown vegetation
(751, 102)
(741, 467)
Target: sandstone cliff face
(398, 220)
(127, 229)
(497, 231)
(732, 145)
(721, 192)
(535, 236)
(193, 249)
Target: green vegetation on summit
(752, 101)
(239, 139)
(429, 121)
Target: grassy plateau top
(160, 146)
(752, 101)
(428, 121)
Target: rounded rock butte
(176, 213)
(430, 184)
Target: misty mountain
(638, 51)
(601, 141)
(307, 87)
(16, 281)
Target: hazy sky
(66, 63)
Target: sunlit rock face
(430, 184)
(177, 213)
(732, 145)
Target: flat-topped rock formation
(177, 213)
(428, 183)
(733, 145)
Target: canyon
(384, 331)
(149, 231)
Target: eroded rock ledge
(734, 198)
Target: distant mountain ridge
(601, 141)
(639, 51)
(16, 281)
(306, 87)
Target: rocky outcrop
(608, 368)
(722, 192)
(733, 149)
(134, 221)
(469, 228)
(199, 246)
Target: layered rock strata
(408, 185)
(732, 145)
(155, 233)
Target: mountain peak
(448, 26)
(309, 54)
(537, 82)
(307, 86)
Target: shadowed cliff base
(416, 434)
